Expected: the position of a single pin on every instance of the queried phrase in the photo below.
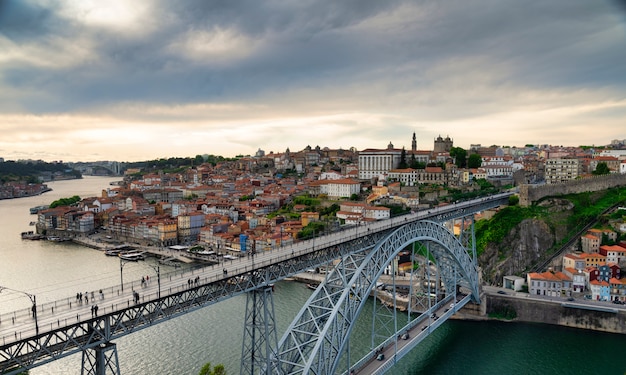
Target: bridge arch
(316, 338)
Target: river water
(213, 334)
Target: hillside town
(268, 200)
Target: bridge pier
(101, 360)
(260, 338)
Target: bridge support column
(260, 338)
(101, 360)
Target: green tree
(474, 161)
(217, 370)
(460, 156)
(403, 163)
(65, 201)
(513, 200)
(206, 369)
(601, 169)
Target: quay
(165, 254)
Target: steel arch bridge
(318, 336)
(316, 339)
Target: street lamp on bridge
(156, 269)
(32, 298)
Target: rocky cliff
(527, 243)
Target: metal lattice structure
(363, 250)
(101, 360)
(316, 338)
(260, 337)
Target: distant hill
(33, 171)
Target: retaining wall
(532, 193)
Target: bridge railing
(414, 322)
(54, 315)
(21, 321)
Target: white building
(554, 284)
(355, 213)
(376, 162)
(343, 188)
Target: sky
(140, 80)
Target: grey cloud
(311, 45)
(20, 20)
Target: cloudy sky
(137, 80)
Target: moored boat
(34, 210)
(132, 256)
(30, 235)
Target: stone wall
(548, 312)
(532, 193)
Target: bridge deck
(396, 348)
(18, 328)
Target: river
(213, 334)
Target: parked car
(501, 292)
(570, 299)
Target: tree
(403, 164)
(206, 369)
(474, 161)
(217, 370)
(460, 156)
(601, 169)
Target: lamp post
(33, 299)
(122, 263)
(156, 269)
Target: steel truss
(101, 360)
(259, 337)
(101, 331)
(66, 339)
(317, 337)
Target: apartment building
(554, 284)
(559, 170)
(590, 243)
(613, 253)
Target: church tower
(414, 143)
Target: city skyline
(117, 80)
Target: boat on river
(30, 235)
(133, 256)
(34, 210)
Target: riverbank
(521, 307)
